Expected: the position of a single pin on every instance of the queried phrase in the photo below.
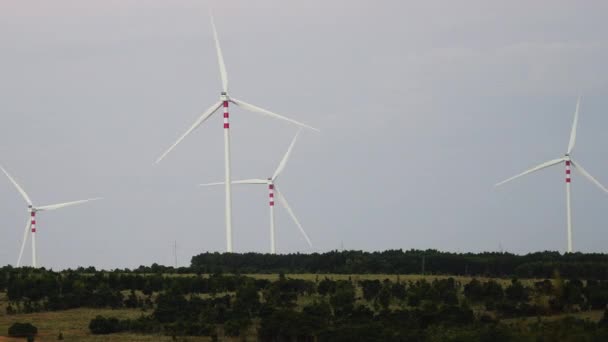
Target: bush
(101, 325)
(22, 330)
(236, 326)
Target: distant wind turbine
(567, 159)
(225, 99)
(272, 189)
(32, 210)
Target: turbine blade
(24, 240)
(197, 123)
(584, 172)
(285, 157)
(534, 169)
(293, 216)
(66, 204)
(244, 181)
(212, 184)
(220, 58)
(574, 126)
(19, 188)
(256, 109)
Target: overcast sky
(422, 107)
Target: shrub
(101, 325)
(22, 330)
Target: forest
(489, 264)
(482, 302)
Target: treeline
(489, 264)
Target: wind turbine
(224, 101)
(32, 210)
(272, 189)
(569, 162)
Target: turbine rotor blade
(586, 174)
(534, 169)
(212, 184)
(66, 204)
(220, 58)
(293, 216)
(244, 181)
(24, 240)
(197, 123)
(19, 188)
(285, 157)
(252, 108)
(574, 127)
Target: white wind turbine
(272, 189)
(567, 159)
(30, 227)
(225, 99)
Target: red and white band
(271, 194)
(567, 171)
(226, 115)
(33, 222)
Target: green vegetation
(535, 265)
(22, 330)
(164, 304)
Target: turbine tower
(272, 189)
(569, 163)
(225, 100)
(30, 226)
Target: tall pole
(568, 206)
(227, 176)
(33, 227)
(273, 248)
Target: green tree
(343, 300)
(384, 297)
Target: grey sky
(422, 107)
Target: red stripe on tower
(568, 171)
(271, 194)
(33, 222)
(226, 115)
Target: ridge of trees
(489, 264)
